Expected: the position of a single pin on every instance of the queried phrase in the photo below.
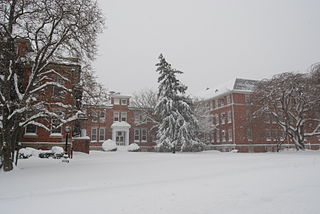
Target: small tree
(178, 125)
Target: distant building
(231, 109)
(119, 121)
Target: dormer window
(124, 102)
(116, 101)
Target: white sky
(211, 41)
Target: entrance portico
(120, 133)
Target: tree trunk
(7, 160)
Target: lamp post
(67, 136)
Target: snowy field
(147, 183)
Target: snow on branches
(178, 126)
(293, 100)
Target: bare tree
(146, 101)
(52, 30)
(205, 119)
(293, 100)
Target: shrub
(109, 146)
(193, 146)
(133, 147)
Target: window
(123, 116)
(94, 116)
(55, 129)
(93, 134)
(217, 119)
(249, 134)
(247, 98)
(123, 101)
(31, 129)
(223, 135)
(228, 99)
(218, 136)
(101, 134)
(273, 119)
(268, 134)
(221, 102)
(267, 118)
(139, 117)
(223, 115)
(58, 91)
(144, 135)
(140, 135)
(230, 135)
(115, 116)
(229, 117)
(217, 103)
(116, 101)
(137, 135)
(102, 116)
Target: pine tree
(178, 126)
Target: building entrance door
(120, 138)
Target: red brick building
(119, 121)
(231, 108)
(67, 73)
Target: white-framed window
(221, 102)
(268, 134)
(116, 101)
(229, 99)
(136, 135)
(102, 116)
(55, 127)
(124, 102)
(101, 134)
(230, 135)
(140, 135)
(94, 134)
(218, 135)
(217, 119)
(94, 116)
(58, 91)
(115, 116)
(31, 129)
(247, 98)
(139, 117)
(267, 118)
(223, 118)
(249, 134)
(123, 116)
(144, 135)
(223, 135)
(229, 117)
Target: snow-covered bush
(234, 151)
(25, 153)
(109, 146)
(57, 150)
(133, 147)
(193, 146)
(163, 147)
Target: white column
(127, 137)
(114, 135)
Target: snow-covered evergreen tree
(178, 126)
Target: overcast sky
(211, 41)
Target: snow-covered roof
(233, 85)
(121, 124)
(120, 96)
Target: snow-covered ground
(123, 182)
